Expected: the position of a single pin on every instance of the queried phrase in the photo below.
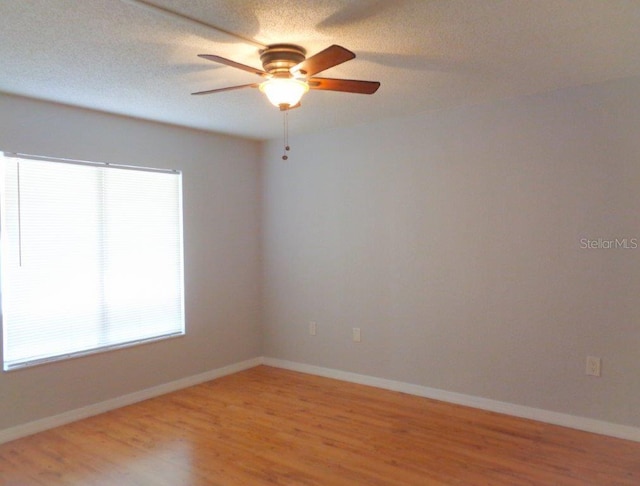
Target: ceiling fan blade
(331, 56)
(237, 65)
(228, 88)
(346, 85)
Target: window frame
(178, 331)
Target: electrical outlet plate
(593, 366)
(313, 327)
(356, 334)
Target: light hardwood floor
(271, 426)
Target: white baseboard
(36, 426)
(556, 418)
(565, 420)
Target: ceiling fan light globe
(284, 91)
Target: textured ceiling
(115, 56)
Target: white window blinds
(91, 258)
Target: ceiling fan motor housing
(277, 59)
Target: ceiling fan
(289, 74)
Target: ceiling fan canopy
(280, 58)
(290, 74)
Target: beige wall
(221, 248)
(453, 240)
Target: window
(91, 258)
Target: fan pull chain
(285, 136)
